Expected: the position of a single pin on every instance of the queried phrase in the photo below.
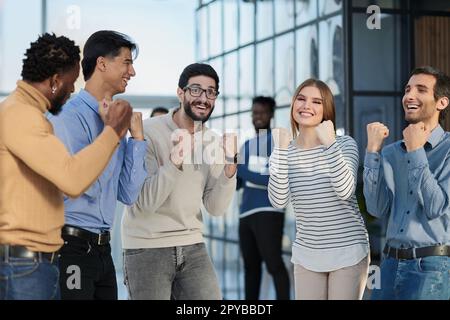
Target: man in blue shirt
(260, 224)
(86, 265)
(410, 182)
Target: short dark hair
(49, 55)
(104, 43)
(267, 101)
(197, 69)
(159, 110)
(441, 88)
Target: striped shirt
(320, 182)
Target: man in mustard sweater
(36, 169)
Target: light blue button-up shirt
(78, 125)
(414, 189)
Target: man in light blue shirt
(107, 67)
(410, 182)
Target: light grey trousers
(177, 273)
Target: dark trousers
(86, 271)
(260, 236)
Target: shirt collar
(89, 99)
(434, 138)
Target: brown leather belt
(413, 253)
(8, 251)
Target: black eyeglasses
(196, 91)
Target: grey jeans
(178, 273)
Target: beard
(188, 109)
(261, 125)
(57, 104)
(426, 112)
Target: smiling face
(198, 108)
(307, 110)
(119, 70)
(311, 104)
(418, 101)
(261, 116)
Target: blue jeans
(29, 279)
(414, 279)
(178, 273)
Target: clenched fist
(325, 133)
(116, 114)
(136, 126)
(376, 133)
(281, 138)
(415, 136)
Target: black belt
(7, 251)
(413, 253)
(93, 238)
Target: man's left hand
(415, 136)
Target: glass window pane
(282, 118)
(231, 105)
(231, 24)
(247, 130)
(215, 28)
(329, 6)
(202, 31)
(331, 62)
(284, 15)
(230, 83)
(264, 68)
(217, 65)
(387, 110)
(218, 107)
(284, 71)
(245, 104)
(215, 124)
(247, 19)
(307, 56)
(231, 123)
(246, 75)
(367, 56)
(15, 39)
(264, 19)
(306, 10)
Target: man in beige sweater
(164, 255)
(36, 169)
